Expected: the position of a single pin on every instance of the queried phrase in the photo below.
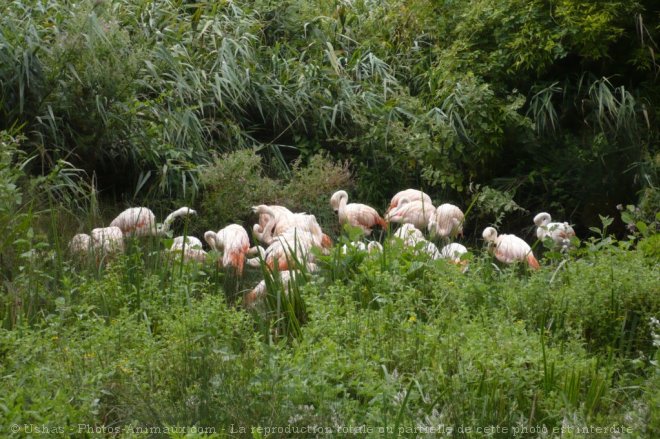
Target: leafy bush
(233, 183)
(236, 181)
(311, 185)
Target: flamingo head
(489, 234)
(210, 237)
(542, 219)
(336, 198)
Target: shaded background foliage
(553, 102)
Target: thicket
(234, 182)
(555, 102)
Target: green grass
(391, 342)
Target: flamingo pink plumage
(357, 215)
(510, 248)
(561, 233)
(410, 195)
(417, 213)
(141, 221)
(234, 243)
(446, 221)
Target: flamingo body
(446, 221)
(453, 252)
(509, 248)
(357, 215)
(410, 195)
(108, 239)
(258, 293)
(141, 221)
(80, 244)
(410, 234)
(561, 233)
(234, 243)
(417, 213)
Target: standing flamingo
(357, 215)
(510, 248)
(234, 242)
(561, 233)
(141, 221)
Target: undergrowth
(387, 342)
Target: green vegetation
(512, 94)
(504, 107)
(386, 340)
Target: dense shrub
(236, 181)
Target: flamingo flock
(285, 241)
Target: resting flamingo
(188, 241)
(417, 213)
(280, 214)
(234, 243)
(561, 233)
(141, 221)
(101, 242)
(414, 238)
(278, 222)
(108, 239)
(453, 252)
(510, 248)
(190, 247)
(80, 244)
(411, 195)
(369, 247)
(446, 221)
(410, 234)
(357, 215)
(290, 247)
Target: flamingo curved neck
(343, 200)
(266, 210)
